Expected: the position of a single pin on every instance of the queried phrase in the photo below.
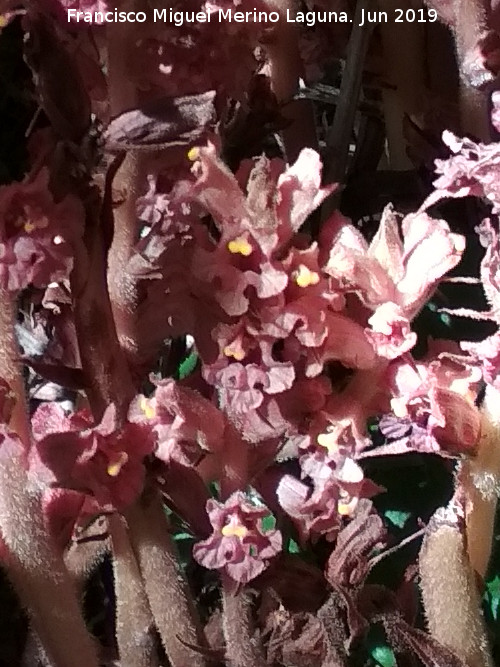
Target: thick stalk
(134, 623)
(35, 568)
(481, 479)
(470, 24)
(103, 363)
(130, 180)
(404, 64)
(287, 69)
(340, 134)
(449, 592)
(9, 367)
(242, 647)
(168, 592)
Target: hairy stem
(168, 591)
(38, 573)
(105, 369)
(130, 180)
(134, 622)
(481, 479)
(9, 366)
(242, 648)
(33, 564)
(451, 600)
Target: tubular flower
(103, 460)
(37, 236)
(240, 545)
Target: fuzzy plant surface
(249, 334)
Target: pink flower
(104, 461)
(37, 235)
(335, 484)
(403, 271)
(240, 545)
(66, 512)
(486, 354)
(338, 483)
(390, 332)
(472, 171)
(433, 408)
(186, 425)
(277, 202)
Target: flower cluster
(220, 359)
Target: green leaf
(445, 319)
(182, 536)
(384, 656)
(398, 518)
(268, 523)
(293, 547)
(187, 366)
(493, 595)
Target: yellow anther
(115, 466)
(346, 503)
(29, 227)
(346, 509)
(328, 441)
(3, 21)
(239, 355)
(193, 154)
(304, 277)
(234, 530)
(240, 246)
(148, 408)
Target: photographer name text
(309, 18)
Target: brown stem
(123, 288)
(9, 366)
(404, 64)
(38, 573)
(287, 69)
(105, 369)
(470, 24)
(242, 647)
(481, 479)
(449, 592)
(134, 623)
(168, 592)
(33, 564)
(340, 134)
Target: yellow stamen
(240, 246)
(232, 530)
(304, 277)
(115, 466)
(193, 154)
(239, 355)
(148, 408)
(3, 21)
(328, 440)
(346, 504)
